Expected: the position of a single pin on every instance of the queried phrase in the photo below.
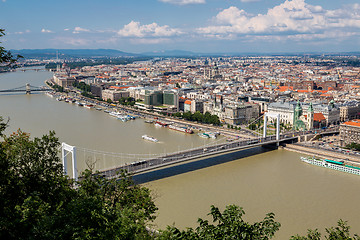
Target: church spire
(310, 109)
(298, 111)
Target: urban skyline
(206, 26)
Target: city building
(113, 95)
(349, 112)
(350, 132)
(169, 99)
(241, 113)
(286, 110)
(63, 81)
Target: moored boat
(61, 98)
(181, 129)
(161, 124)
(335, 165)
(123, 118)
(115, 114)
(50, 94)
(203, 135)
(212, 135)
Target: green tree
(198, 116)
(37, 201)
(207, 117)
(6, 56)
(341, 232)
(354, 146)
(229, 225)
(187, 115)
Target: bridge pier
(277, 116)
(69, 149)
(28, 90)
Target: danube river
(301, 196)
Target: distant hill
(101, 53)
(71, 53)
(171, 53)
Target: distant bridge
(26, 89)
(31, 69)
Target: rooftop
(354, 122)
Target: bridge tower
(28, 89)
(277, 116)
(65, 150)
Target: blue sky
(206, 26)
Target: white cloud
(293, 17)
(21, 32)
(66, 29)
(134, 29)
(46, 30)
(183, 2)
(79, 29)
(3, 0)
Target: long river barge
(335, 165)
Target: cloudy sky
(206, 26)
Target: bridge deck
(197, 153)
(187, 155)
(32, 90)
(26, 89)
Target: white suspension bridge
(140, 163)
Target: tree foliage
(37, 201)
(199, 117)
(229, 225)
(82, 86)
(6, 56)
(127, 101)
(341, 232)
(353, 145)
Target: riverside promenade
(322, 153)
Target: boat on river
(50, 94)
(181, 129)
(115, 114)
(213, 134)
(149, 138)
(203, 135)
(161, 124)
(335, 165)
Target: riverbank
(231, 134)
(322, 153)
